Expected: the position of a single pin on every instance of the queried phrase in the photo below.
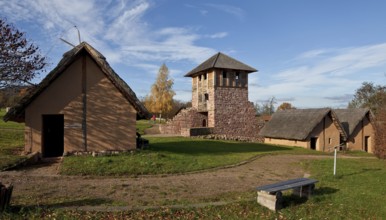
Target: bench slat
(289, 184)
(281, 183)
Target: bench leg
(271, 201)
(304, 191)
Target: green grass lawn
(357, 192)
(9, 124)
(11, 142)
(171, 155)
(142, 125)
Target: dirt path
(42, 185)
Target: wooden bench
(270, 195)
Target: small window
(237, 76)
(199, 78)
(203, 122)
(204, 76)
(329, 140)
(206, 96)
(224, 74)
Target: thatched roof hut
(17, 112)
(358, 123)
(317, 129)
(297, 124)
(352, 117)
(81, 105)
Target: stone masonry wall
(183, 121)
(234, 114)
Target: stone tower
(220, 96)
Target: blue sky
(309, 53)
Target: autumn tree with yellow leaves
(160, 99)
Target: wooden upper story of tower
(221, 70)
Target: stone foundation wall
(234, 114)
(200, 131)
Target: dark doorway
(53, 135)
(367, 139)
(313, 143)
(204, 123)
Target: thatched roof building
(310, 128)
(81, 105)
(17, 112)
(358, 123)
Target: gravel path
(41, 185)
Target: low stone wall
(232, 138)
(200, 131)
(183, 122)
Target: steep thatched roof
(297, 124)
(221, 61)
(350, 118)
(17, 113)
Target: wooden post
(5, 196)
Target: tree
(380, 134)
(160, 99)
(284, 106)
(177, 105)
(10, 96)
(266, 108)
(369, 96)
(20, 60)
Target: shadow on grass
(194, 146)
(340, 176)
(294, 200)
(81, 202)
(45, 162)
(324, 191)
(364, 170)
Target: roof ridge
(220, 61)
(215, 60)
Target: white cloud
(116, 28)
(230, 9)
(321, 74)
(218, 35)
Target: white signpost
(335, 152)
